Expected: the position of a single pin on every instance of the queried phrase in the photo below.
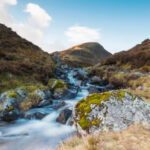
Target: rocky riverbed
(36, 114)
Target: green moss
(32, 88)
(96, 122)
(119, 94)
(10, 108)
(56, 83)
(12, 94)
(84, 123)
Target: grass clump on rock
(56, 84)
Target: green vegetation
(54, 84)
(12, 94)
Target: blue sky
(116, 24)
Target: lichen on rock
(112, 110)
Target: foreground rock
(114, 110)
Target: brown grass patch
(136, 137)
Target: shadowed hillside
(20, 60)
(136, 57)
(84, 55)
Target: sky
(56, 25)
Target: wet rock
(95, 80)
(35, 115)
(96, 89)
(44, 94)
(71, 92)
(59, 93)
(58, 104)
(45, 103)
(9, 116)
(64, 116)
(93, 89)
(9, 105)
(109, 87)
(80, 74)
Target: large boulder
(113, 110)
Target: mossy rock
(56, 84)
(31, 101)
(86, 105)
(12, 94)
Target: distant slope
(20, 58)
(136, 57)
(84, 55)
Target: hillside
(21, 61)
(127, 69)
(136, 57)
(84, 55)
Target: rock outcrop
(113, 110)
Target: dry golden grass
(136, 137)
(141, 87)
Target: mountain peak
(86, 54)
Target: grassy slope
(21, 61)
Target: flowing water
(42, 134)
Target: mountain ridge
(84, 55)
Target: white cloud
(5, 16)
(34, 28)
(9, 2)
(79, 34)
(38, 16)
